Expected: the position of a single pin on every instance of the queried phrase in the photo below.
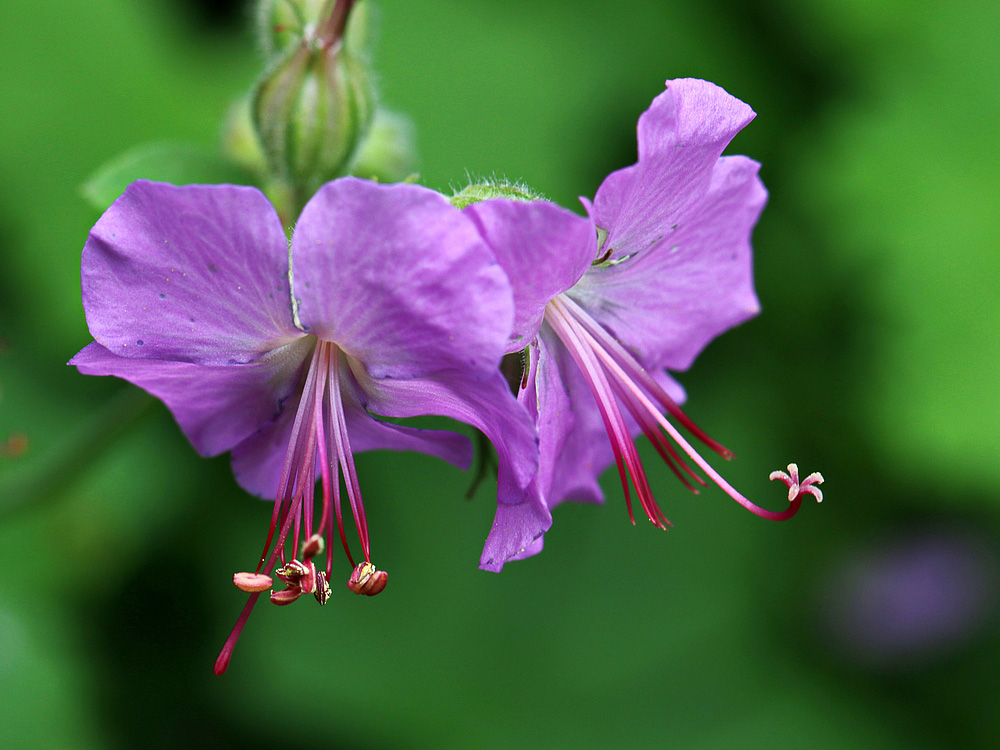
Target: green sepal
(489, 189)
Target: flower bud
(239, 137)
(315, 103)
(283, 23)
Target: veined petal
(217, 407)
(667, 303)
(399, 279)
(681, 136)
(191, 274)
(543, 248)
(370, 434)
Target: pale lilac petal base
(258, 460)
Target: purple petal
(531, 550)
(543, 248)
(574, 448)
(568, 457)
(258, 461)
(217, 407)
(367, 433)
(681, 136)
(370, 434)
(666, 304)
(399, 279)
(191, 274)
(517, 532)
(488, 405)
(485, 403)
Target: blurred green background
(868, 621)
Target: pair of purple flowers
(391, 302)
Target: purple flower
(604, 304)
(387, 303)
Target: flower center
(614, 376)
(318, 444)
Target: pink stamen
(318, 444)
(601, 359)
(347, 460)
(637, 371)
(614, 423)
(222, 661)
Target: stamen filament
(222, 660)
(284, 489)
(347, 459)
(623, 378)
(318, 443)
(638, 372)
(614, 423)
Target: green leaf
(178, 163)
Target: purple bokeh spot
(903, 602)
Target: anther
(292, 572)
(308, 582)
(286, 596)
(322, 592)
(314, 546)
(252, 583)
(365, 579)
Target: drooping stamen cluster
(318, 444)
(614, 376)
